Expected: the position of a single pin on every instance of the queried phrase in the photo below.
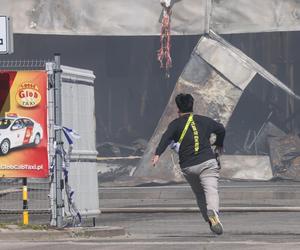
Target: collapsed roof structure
(216, 74)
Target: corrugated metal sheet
(140, 17)
(244, 16)
(102, 17)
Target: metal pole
(25, 202)
(59, 142)
(51, 111)
(208, 15)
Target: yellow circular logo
(28, 95)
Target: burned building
(254, 94)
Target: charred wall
(131, 90)
(261, 102)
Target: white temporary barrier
(78, 113)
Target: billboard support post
(25, 202)
(58, 139)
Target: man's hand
(155, 160)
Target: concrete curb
(248, 192)
(56, 234)
(196, 209)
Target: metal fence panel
(78, 106)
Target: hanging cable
(164, 53)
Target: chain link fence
(35, 64)
(11, 201)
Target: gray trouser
(203, 179)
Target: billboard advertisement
(23, 124)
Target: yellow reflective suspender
(196, 136)
(190, 119)
(191, 122)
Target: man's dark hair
(184, 102)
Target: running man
(189, 135)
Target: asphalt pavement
(182, 230)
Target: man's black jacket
(187, 156)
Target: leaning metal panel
(226, 62)
(252, 64)
(215, 96)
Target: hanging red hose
(164, 53)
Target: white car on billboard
(18, 131)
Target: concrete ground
(247, 231)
